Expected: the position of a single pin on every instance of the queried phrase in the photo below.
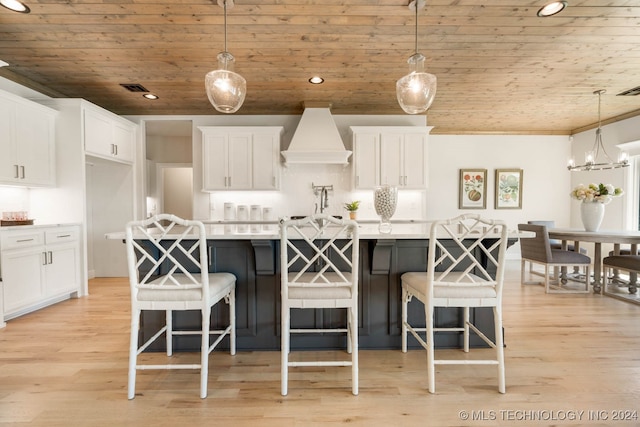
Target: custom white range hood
(316, 140)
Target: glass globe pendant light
(226, 89)
(416, 90)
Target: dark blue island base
(256, 266)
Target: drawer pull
(63, 235)
(24, 240)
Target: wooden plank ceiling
(500, 68)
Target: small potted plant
(352, 208)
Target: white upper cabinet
(392, 155)
(108, 136)
(266, 159)
(27, 142)
(241, 158)
(366, 159)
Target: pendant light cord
(225, 25)
(416, 3)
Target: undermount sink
(295, 217)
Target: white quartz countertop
(36, 226)
(261, 230)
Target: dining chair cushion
(623, 252)
(559, 256)
(624, 262)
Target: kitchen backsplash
(296, 196)
(14, 199)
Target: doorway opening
(169, 157)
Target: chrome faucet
(323, 192)
(324, 199)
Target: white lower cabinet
(40, 266)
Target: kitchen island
(253, 257)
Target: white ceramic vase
(591, 214)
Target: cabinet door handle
(116, 148)
(229, 181)
(22, 172)
(44, 258)
(17, 168)
(50, 257)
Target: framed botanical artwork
(473, 189)
(508, 189)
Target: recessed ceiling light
(552, 8)
(150, 96)
(316, 80)
(15, 5)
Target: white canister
(243, 215)
(255, 214)
(267, 215)
(229, 211)
(229, 215)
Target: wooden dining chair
(537, 250)
(613, 264)
(555, 244)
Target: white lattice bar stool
(457, 276)
(168, 271)
(319, 269)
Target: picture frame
(472, 191)
(508, 192)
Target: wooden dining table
(615, 237)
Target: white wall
(545, 185)
(108, 194)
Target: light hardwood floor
(569, 359)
